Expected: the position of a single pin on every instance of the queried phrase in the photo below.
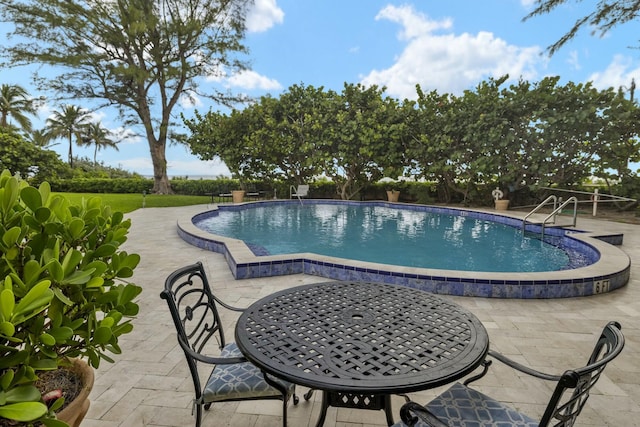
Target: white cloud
(126, 136)
(527, 3)
(415, 24)
(448, 62)
(264, 15)
(619, 73)
(249, 79)
(574, 60)
(189, 101)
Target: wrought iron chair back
(194, 310)
(566, 403)
(193, 307)
(559, 412)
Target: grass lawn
(130, 202)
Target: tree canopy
(141, 56)
(516, 137)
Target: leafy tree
(292, 128)
(15, 103)
(608, 14)
(142, 56)
(225, 136)
(34, 163)
(362, 136)
(41, 138)
(98, 136)
(69, 122)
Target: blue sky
(447, 46)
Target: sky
(445, 46)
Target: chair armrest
(421, 413)
(525, 369)
(212, 360)
(227, 306)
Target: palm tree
(15, 102)
(70, 121)
(41, 138)
(98, 136)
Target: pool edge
(610, 272)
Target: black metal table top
(361, 337)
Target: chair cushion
(461, 406)
(238, 380)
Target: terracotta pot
(74, 412)
(393, 195)
(237, 196)
(502, 205)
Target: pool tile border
(610, 269)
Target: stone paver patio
(149, 385)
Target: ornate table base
(352, 400)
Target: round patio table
(361, 342)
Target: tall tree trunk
(161, 183)
(70, 151)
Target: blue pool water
(388, 235)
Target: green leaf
(25, 393)
(76, 228)
(55, 270)
(7, 303)
(10, 194)
(61, 334)
(47, 339)
(95, 282)
(71, 261)
(42, 214)
(37, 298)
(129, 292)
(31, 197)
(23, 411)
(105, 250)
(44, 364)
(14, 359)
(31, 271)
(7, 329)
(45, 191)
(78, 277)
(62, 297)
(102, 335)
(11, 236)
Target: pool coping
(611, 271)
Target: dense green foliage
(516, 138)
(64, 293)
(29, 161)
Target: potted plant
(64, 298)
(393, 195)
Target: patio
(149, 385)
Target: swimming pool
(393, 235)
(606, 267)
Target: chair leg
(198, 414)
(284, 410)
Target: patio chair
(300, 191)
(196, 318)
(463, 406)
